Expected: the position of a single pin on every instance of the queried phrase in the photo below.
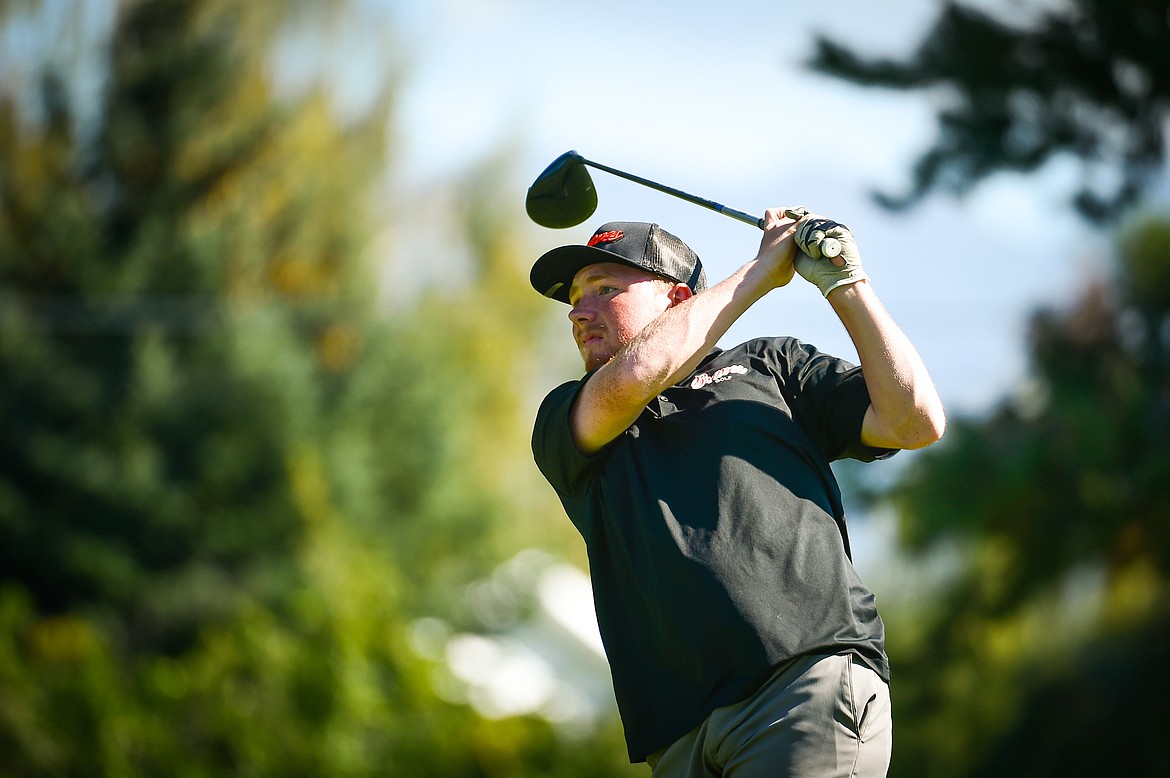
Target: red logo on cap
(606, 237)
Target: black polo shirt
(715, 532)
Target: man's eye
(606, 289)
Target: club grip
(829, 247)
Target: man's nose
(581, 313)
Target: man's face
(611, 303)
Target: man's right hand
(778, 246)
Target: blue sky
(714, 100)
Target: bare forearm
(673, 344)
(668, 348)
(905, 409)
(663, 354)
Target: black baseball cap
(638, 244)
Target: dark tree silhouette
(1089, 79)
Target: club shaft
(746, 218)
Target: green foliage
(1063, 598)
(134, 346)
(229, 483)
(1089, 79)
(1031, 657)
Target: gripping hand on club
(828, 255)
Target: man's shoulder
(557, 457)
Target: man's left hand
(812, 234)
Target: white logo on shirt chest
(722, 374)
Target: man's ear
(678, 293)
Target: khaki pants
(816, 716)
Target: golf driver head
(563, 195)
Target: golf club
(563, 196)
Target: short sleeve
(829, 399)
(557, 457)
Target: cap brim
(552, 274)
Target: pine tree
(229, 482)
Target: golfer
(741, 641)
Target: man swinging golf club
(741, 641)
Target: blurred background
(269, 362)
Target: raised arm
(675, 332)
(905, 409)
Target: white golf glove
(828, 255)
